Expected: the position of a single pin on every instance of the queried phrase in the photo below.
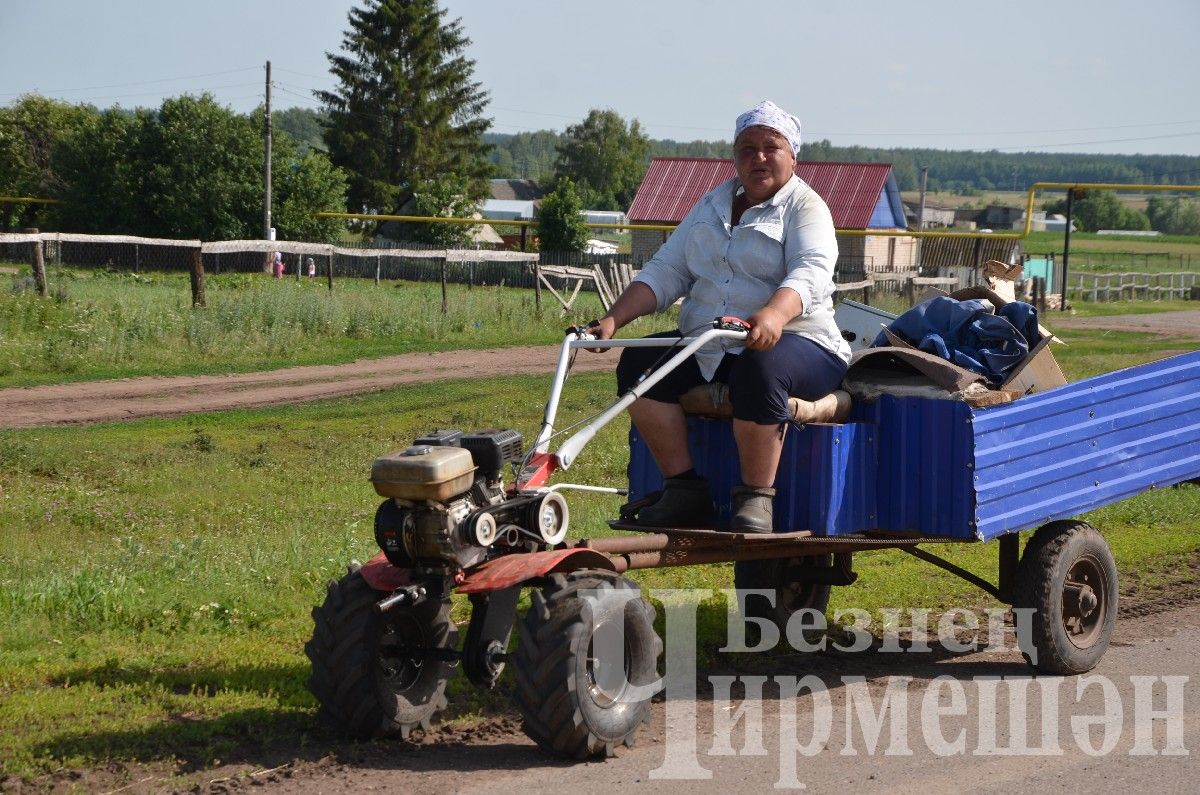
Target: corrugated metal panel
(827, 474)
(1095, 442)
(850, 189)
(925, 459)
(937, 252)
(939, 468)
(673, 185)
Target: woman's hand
(637, 300)
(766, 327)
(602, 329)
(605, 328)
(767, 323)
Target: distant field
(1009, 198)
(1042, 242)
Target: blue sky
(1066, 76)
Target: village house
(861, 196)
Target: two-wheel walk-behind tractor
(899, 472)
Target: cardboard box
(1038, 372)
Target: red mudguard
(495, 574)
(383, 576)
(509, 570)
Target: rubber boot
(753, 510)
(685, 502)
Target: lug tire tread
(343, 675)
(553, 634)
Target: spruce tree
(407, 111)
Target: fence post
(39, 269)
(378, 265)
(330, 260)
(198, 298)
(537, 284)
(445, 302)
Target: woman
(762, 247)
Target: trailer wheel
(1068, 576)
(375, 675)
(586, 665)
(791, 595)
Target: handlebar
(725, 323)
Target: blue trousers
(760, 382)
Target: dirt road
(907, 757)
(135, 398)
(1182, 325)
(1010, 732)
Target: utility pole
(921, 218)
(1062, 307)
(921, 205)
(267, 162)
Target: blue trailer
(899, 472)
(909, 471)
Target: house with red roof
(859, 195)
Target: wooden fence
(1132, 286)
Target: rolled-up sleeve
(667, 271)
(810, 248)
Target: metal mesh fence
(959, 260)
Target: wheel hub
(1083, 607)
(1087, 601)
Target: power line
(127, 85)
(1106, 141)
(305, 74)
(1021, 132)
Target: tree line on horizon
(405, 130)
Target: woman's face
(764, 162)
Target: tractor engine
(447, 506)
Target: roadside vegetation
(156, 577)
(107, 324)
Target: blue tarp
(969, 335)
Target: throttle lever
(731, 323)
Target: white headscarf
(768, 114)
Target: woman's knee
(758, 388)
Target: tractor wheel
(1068, 576)
(791, 595)
(587, 664)
(375, 675)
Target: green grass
(156, 577)
(1116, 253)
(112, 325)
(1115, 308)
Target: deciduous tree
(30, 130)
(445, 197)
(311, 184)
(605, 158)
(560, 223)
(1100, 209)
(101, 168)
(1174, 215)
(203, 171)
